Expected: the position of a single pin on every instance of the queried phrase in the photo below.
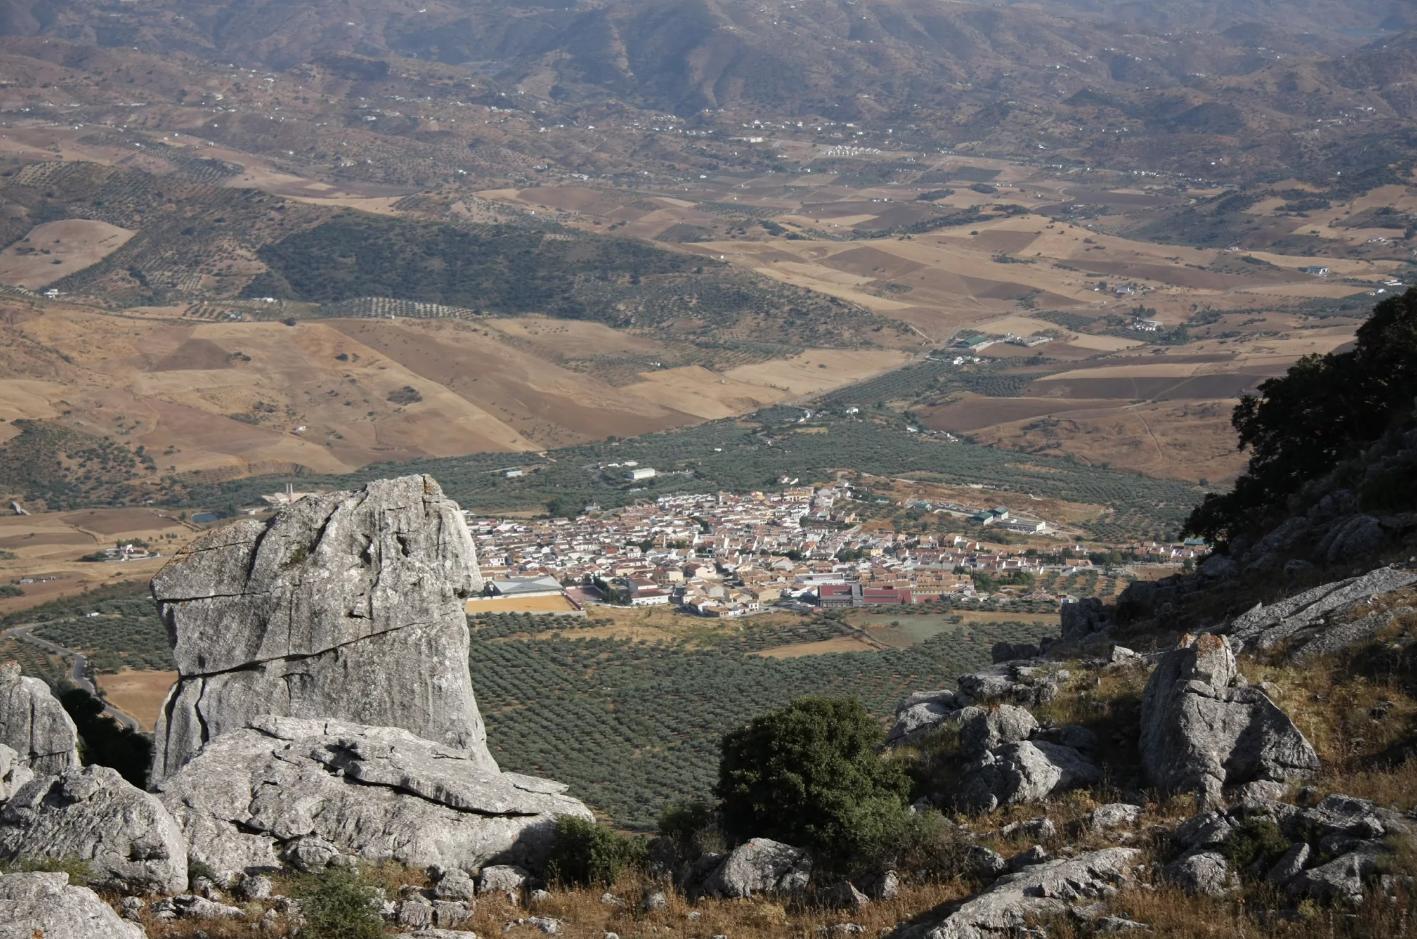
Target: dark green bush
(586, 853)
(338, 904)
(1324, 409)
(692, 826)
(1256, 840)
(810, 775)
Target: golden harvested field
(46, 548)
(138, 693)
(55, 250)
(550, 604)
(822, 647)
(333, 395)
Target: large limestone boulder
(123, 834)
(34, 724)
(1204, 729)
(44, 905)
(1013, 903)
(345, 605)
(308, 791)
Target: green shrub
(692, 826)
(1257, 840)
(809, 775)
(338, 904)
(79, 871)
(586, 853)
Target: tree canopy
(809, 774)
(1299, 426)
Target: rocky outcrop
(1330, 852)
(45, 905)
(1027, 683)
(1028, 771)
(760, 866)
(1327, 618)
(345, 606)
(310, 791)
(34, 724)
(1083, 618)
(124, 835)
(13, 773)
(1009, 760)
(1204, 729)
(1014, 902)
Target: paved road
(78, 673)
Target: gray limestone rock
(506, 879)
(1290, 865)
(921, 713)
(1354, 537)
(760, 866)
(1083, 618)
(981, 863)
(34, 724)
(989, 729)
(1341, 880)
(1029, 771)
(1314, 615)
(1113, 816)
(1205, 873)
(375, 793)
(1203, 729)
(1026, 683)
(1051, 888)
(345, 605)
(13, 773)
(190, 906)
(455, 884)
(882, 886)
(46, 905)
(125, 835)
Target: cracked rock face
(1205, 730)
(34, 724)
(345, 605)
(123, 834)
(45, 905)
(1015, 902)
(377, 793)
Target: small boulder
(1114, 815)
(1290, 864)
(989, 729)
(190, 906)
(1023, 772)
(1341, 880)
(760, 866)
(506, 879)
(1205, 873)
(455, 884)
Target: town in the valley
(736, 554)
